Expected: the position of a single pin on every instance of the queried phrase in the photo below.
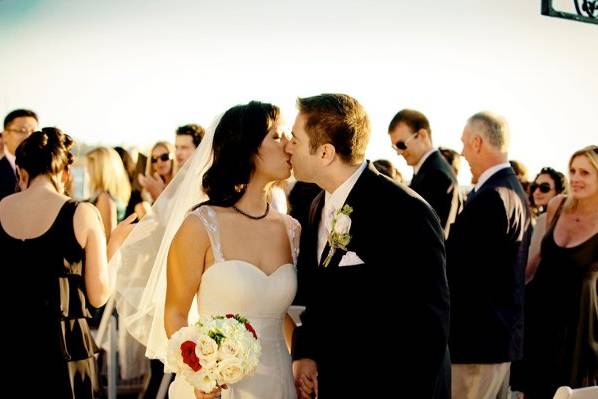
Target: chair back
(579, 393)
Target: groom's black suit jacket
(8, 178)
(380, 327)
(486, 257)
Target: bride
(233, 253)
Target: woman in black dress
(561, 319)
(54, 251)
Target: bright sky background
(129, 72)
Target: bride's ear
(23, 178)
(327, 153)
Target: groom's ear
(327, 153)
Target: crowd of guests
(522, 256)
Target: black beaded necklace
(251, 216)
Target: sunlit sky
(129, 72)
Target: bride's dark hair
(237, 139)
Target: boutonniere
(339, 236)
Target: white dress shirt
(333, 202)
(11, 160)
(488, 173)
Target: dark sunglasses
(164, 157)
(402, 145)
(544, 187)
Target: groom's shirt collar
(339, 196)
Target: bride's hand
(212, 395)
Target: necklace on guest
(251, 216)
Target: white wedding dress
(236, 286)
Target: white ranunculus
(230, 370)
(343, 224)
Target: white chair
(579, 393)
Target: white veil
(141, 261)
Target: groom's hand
(305, 372)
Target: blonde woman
(561, 309)
(159, 171)
(109, 186)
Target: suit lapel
(315, 216)
(357, 199)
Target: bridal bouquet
(215, 351)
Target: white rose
(207, 351)
(230, 370)
(204, 380)
(342, 224)
(229, 348)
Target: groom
(376, 299)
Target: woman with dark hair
(59, 245)
(233, 252)
(547, 184)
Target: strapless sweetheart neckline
(249, 265)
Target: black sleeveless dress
(50, 305)
(561, 318)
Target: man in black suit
(18, 125)
(486, 258)
(433, 178)
(368, 279)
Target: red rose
(249, 328)
(230, 316)
(189, 356)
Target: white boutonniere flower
(339, 236)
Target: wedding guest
(547, 184)
(561, 345)
(300, 198)
(452, 157)
(160, 171)
(18, 125)
(109, 186)
(386, 167)
(131, 169)
(486, 257)
(411, 137)
(186, 141)
(521, 173)
(57, 248)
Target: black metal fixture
(587, 11)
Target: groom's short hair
(337, 119)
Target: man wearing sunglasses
(18, 125)
(433, 178)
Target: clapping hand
(152, 184)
